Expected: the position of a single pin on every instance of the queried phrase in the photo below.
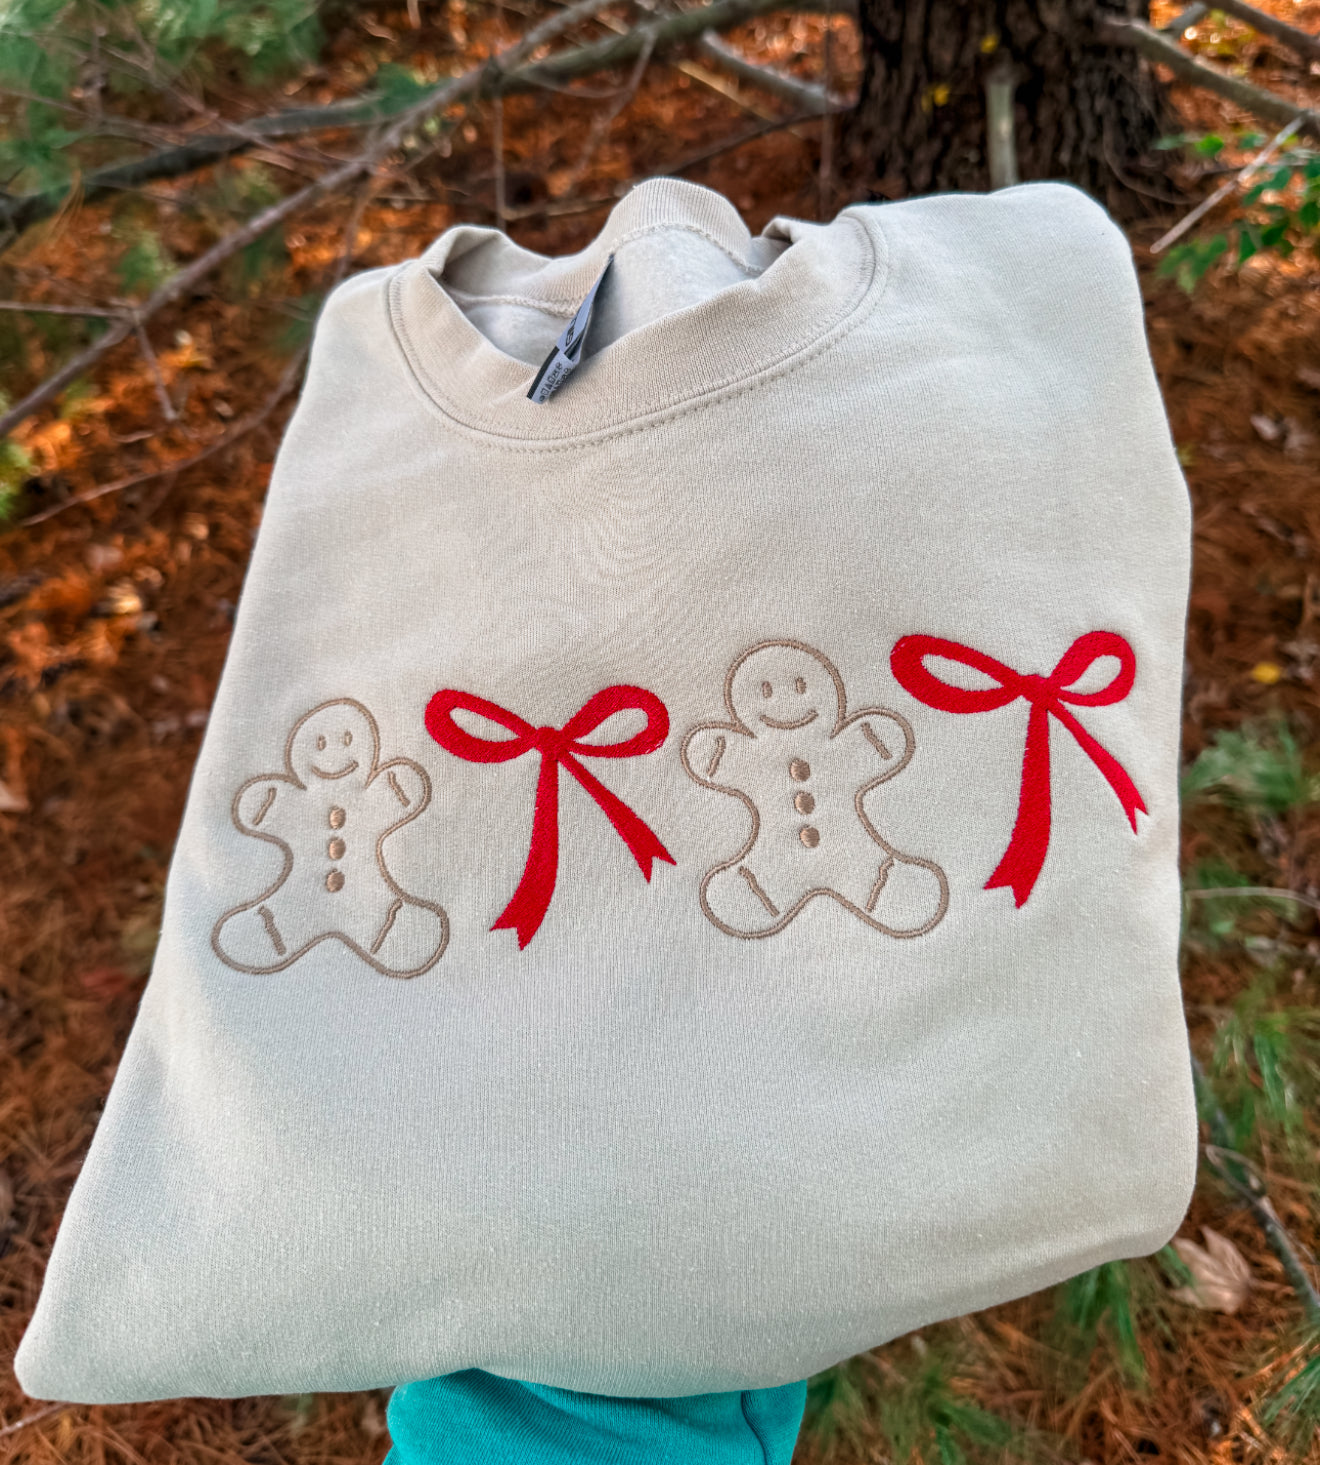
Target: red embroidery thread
(557, 747)
(1030, 840)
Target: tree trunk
(1084, 111)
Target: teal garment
(475, 1418)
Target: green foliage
(1257, 768)
(144, 264)
(27, 62)
(1265, 1068)
(1103, 1306)
(37, 154)
(1216, 921)
(926, 1414)
(1176, 1271)
(928, 1418)
(1292, 1412)
(840, 1400)
(77, 398)
(397, 87)
(256, 262)
(1279, 213)
(236, 192)
(15, 469)
(137, 48)
(294, 333)
(273, 35)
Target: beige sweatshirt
(680, 884)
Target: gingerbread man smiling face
(783, 687)
(803, 767)
(331, 741)
(330, 813)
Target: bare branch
(825, 178)
(32, 1418)
(1186, 17)
(1155, 46)
(200, 151)
(1001, 149)
(602, 122)
(153, 365)
(670, 30)
(1222, 192)
(33, 307)
(1297, 40)
(815, 101)
(1258, 892)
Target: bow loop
(558, 747)
(1082, 655)
(1025, 856)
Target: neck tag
(567, 350)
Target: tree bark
(1084, 110)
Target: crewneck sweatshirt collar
(804, 283)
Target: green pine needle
(1292, 1412)
(1256, 768)
(1103, 1305)
(840, 1401)
(929, 1419)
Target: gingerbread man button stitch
(803, 766)
(330, 812)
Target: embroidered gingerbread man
(804, 767)
(329, 813)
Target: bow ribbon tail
(1115, 774)
(642, 841)
(526, 910)
(1030, 840)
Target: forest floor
(114, 621)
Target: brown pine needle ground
(114, 619)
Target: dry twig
(1156, 46)
(814, 101)
(1249, 170)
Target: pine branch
(1184, 18)
(21, 211)
(1155, 46)
(1300, 41)
(662, 35)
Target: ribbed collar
(805, 282)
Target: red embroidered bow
(557, 746)
(1025, 854)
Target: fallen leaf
(1266, 427)
(1221, 1275)
(11, 802)
(1266, 673)
(1309, 377)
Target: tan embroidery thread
(272, 930)
(790, 749)
(757, 891)
(338, 888)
